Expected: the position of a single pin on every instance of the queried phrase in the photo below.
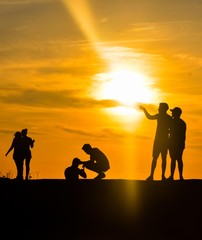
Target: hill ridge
(109, 209)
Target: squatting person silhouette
(98, 161)
(177, 142)
(161, 140)
(73, 172)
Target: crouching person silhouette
(98, 162)
(74, 172)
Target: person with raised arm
(161, 139)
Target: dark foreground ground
(106, 209)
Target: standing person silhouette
(98, 161)
(177, 142)
(27, 144)
(161, 140)
(18, 156)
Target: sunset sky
(74, 72)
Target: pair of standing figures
(170, 136)
(21, 145)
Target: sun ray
(123, 83)
(83, 17)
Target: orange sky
(73, 72)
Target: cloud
(6, 131)
(71, 69)
(53, 99)
(22, 2)
(77, 132)
(104, 20)
(27, 24)
(104, 133)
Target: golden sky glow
(73, 72)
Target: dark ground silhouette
(105, 209)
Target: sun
(125, 86)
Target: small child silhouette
(73, 172)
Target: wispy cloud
(103, 133)
(53, 99)
(22, 2)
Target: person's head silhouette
(163, 107)
(24, 131)
(176, 112)
(17, 134)
(87, 148)
(76, 162)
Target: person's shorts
(176, 152)
(160, 148)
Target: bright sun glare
(127, 87)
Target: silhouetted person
(27, 144)
(73, 172)
(18, 156)
(161, 139)
(177, 142)
(98, 162)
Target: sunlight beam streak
(122, 82)
(82, 15)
